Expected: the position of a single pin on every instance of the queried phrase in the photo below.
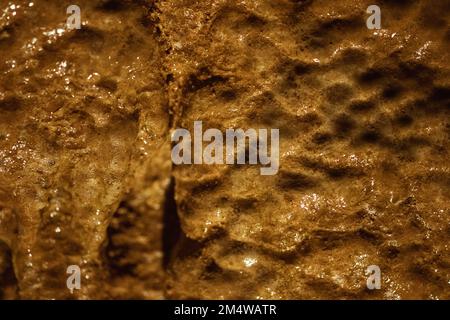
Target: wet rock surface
(85, 171)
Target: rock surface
(86, 177)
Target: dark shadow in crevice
(117, 253)
(171, 224)
(8, 280)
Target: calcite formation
(86, 176)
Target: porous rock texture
(86, 177)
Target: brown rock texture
(85, 171)
(84, 128)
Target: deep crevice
(8, 280)
(171, 224)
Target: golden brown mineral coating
(363, 114)
(364, 125)
(83, 128)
